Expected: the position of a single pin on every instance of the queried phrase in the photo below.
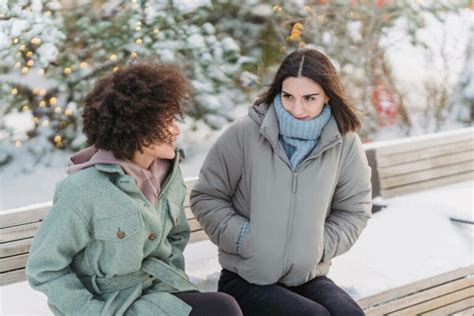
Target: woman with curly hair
(113, 242)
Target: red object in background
(387, 109)
(381, 3)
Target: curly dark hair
(133, 107)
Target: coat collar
(127, 183)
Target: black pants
(320, 296)
(210, 304)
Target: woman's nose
(298, 110)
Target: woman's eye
(309, 98)
(286, 96)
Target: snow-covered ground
(412, 239)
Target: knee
(227, 305)
(350, 310)
(312, 310)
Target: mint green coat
(104, 249)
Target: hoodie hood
(148, 180)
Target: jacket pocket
(119, 228)
(175, 210)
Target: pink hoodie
(148, 180)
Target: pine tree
(52, 55)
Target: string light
(156, 30)
(53, 101)
(302, 45)
(25, 108)
(25, 70)
(41, 72)
(29, 54)
(22, 47)
(57, 139)
(67, 70)
(18, 144)
(133, 55)
(14, 91)
(36, 91)
(113, 57)
(30, 63)
(83, 65)
(15, 40)
(42, 92)
(321, 18)
(18, 54)
(68, 112)
(42, 104)
(59, 145)
(57, 110)
(47, 13)
(35, 119)
(115, 69)
(45, 123)
(308, 9)
(17, 64)
(36, 40)
(277, 8)
(139, 41)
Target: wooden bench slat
(433, 183)
(195, 226)
(18, 232)
(20, 216)
(425, 175)
(423, 153)
(15, 247)
(405, 290)
(437, 302)
(12, 277)
(422, 296)
(413, 166)
(456, 308)
(12, 263)
(466, 312)
(420, 142)
(198, 236)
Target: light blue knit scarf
(299, 137)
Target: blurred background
(408, 66)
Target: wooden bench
(398, 167)
(419, 163)
(445, 294)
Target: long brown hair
(316, 66)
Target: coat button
(176, 221)
(120, 234)
(152, 236)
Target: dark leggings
(210, 304)
(320, 296)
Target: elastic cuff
(243, 231)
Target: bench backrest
(398, 167)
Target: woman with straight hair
(284, 190)
(113, 242)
